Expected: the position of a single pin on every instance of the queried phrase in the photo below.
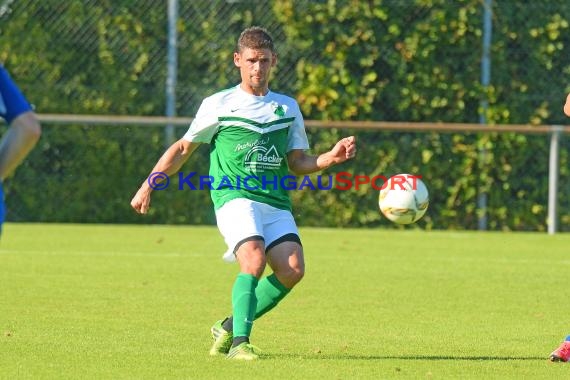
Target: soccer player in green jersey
(256, 138)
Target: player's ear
(237, 59)
(274, 59)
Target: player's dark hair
(256, 38)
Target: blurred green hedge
(343, 60)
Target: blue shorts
(12, 102)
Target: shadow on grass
(411, 357)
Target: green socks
(268, 293)
(244, 303)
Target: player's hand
(345, 149)
(141, 201)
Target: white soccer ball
(404, 199)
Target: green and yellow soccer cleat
(243, 351)
(222, 340)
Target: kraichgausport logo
(341, 181)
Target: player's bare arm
(170, 162)
(567, 106)
(301, 163)
(19, 140)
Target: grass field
(137, 302)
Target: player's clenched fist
(344, 149)
(141, 201)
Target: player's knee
(251, 261)
(297, 274)
(291, 276)
(253, 267)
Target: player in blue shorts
(562, 353)
(23, 130)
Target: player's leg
(286, 260)
(288, 265)
(251, 258)
(246, 238)
(284, 256)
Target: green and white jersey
(249, 139)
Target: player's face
(255, 67)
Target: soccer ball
(403, 199)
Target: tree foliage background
(390, 60)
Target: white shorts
(241, 218)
